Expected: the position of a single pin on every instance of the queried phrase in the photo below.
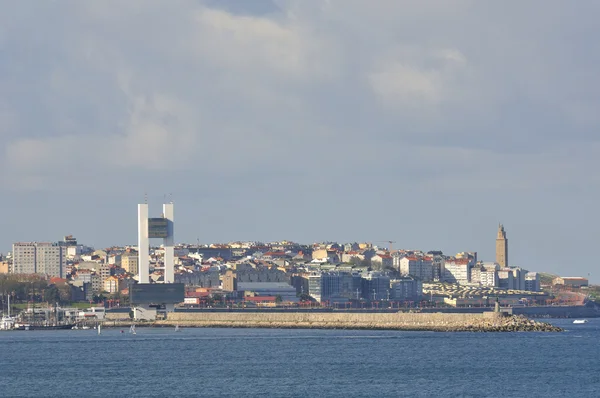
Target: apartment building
(39, 258)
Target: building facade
(39, 258)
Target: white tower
(168, 242)
(148, 228)
(143, 244)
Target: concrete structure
(406, 289)
(519, 278)
(502, 247)
(39, 258)
(376, 286)
(334, 285)
(506, 279)
(229, 281)
(532, 282)
(393, 321)
(148, 228)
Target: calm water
(303, 363)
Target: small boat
(75, 327)
(177, 328)
(85, 327)
(580, 321)
(99, 328)
(132, 329)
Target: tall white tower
(160, 227)
(168, 242)
(143, 244)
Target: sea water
(159, 362)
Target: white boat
(99, 328)
(132, 329)
(8, 322)
(85, 327)
(75, 327)
(580, 321)
(177, 328)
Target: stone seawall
(489, 322)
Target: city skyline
(501, 246)
(424, 124)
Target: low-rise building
(283, 290)
(572, 281)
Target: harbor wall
(392, 321)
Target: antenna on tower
(170, 197)
(165, 198)
(145, 197)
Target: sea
(162, 362)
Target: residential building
(489, 278)
(506, 279)
(438, 267)
(519, 277)
(406, 289)
(129, 262)
(457, 271)
(532, 282)
(383, 260)
(111, 285)
(39, 258)
(418, 267)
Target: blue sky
(426, 123)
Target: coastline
(436, 322)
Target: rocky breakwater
(486, 322)
(494, 322)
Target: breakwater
(440, 322)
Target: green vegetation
(594, 292)
(546, 279)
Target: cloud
(410, 102)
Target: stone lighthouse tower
(502, 247)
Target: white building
(39, 258)
(457, 271)
(418, 267)
(532, 282)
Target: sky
(424, 123)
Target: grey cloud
(421, 121)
